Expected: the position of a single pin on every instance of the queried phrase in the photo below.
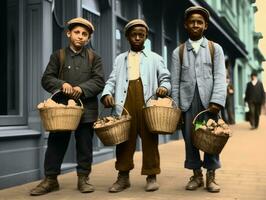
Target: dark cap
(135, 22)
(197, 9)
(82, 21)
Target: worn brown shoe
(121, 183)
(211, 185)
(151, 185)
(83, 184)
(47, 185)
(196, 180)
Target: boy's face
(136, 37)
(78, 37)
(195, 26)
(253, 77)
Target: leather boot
(196, 180)
(47, 185)
(211, 185)
(151, 185)
(83, 184)
(121, 183)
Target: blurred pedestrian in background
(255, 97)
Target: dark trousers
(125, 151)
(57, 146)
(193, 160)
(254, 114)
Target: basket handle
(60, 91)
(127, 113)
(164, 97)
(207, 110)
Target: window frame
(21, 117)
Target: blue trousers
(193, 159)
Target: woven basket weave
(161, 120)
(115, 133)
(207, 141)
(61, 118)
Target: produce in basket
(110, 120)
(217, 128)
(49, 103)
(163, 102)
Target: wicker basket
(115, 133)
(56, 119)
(206, 141)
(161, 120)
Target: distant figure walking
(255, 97)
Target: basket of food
(210, 136)
(113, 130)
(60, 116)
(161, 115)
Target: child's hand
(67, 88)
(161, 92)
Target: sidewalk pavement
(242, 176)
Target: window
(91, 12)
(149, 41)
(241, 92)
(10, 71)
(58, 24)
(120, 38)
(125, 8)
(95, 20)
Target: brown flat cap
(197, 9)
(136, 22)
(80, 20)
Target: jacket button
(125, 91)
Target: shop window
(10, 79)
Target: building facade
(33, 29)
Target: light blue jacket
(198, 70)
(153, 74)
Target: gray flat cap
(136, 22)
(197, 9)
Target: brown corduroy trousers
(125, 151)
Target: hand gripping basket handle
(195, 118)
(113, 108)
(60, 91)
(161, 97)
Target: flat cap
(80, 20)
(197, 9)
(136, 22)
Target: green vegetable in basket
(199, 124)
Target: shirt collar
(143, 51)
(72, 53)
(203, 44)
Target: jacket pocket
(185, 73)
(207, 70)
